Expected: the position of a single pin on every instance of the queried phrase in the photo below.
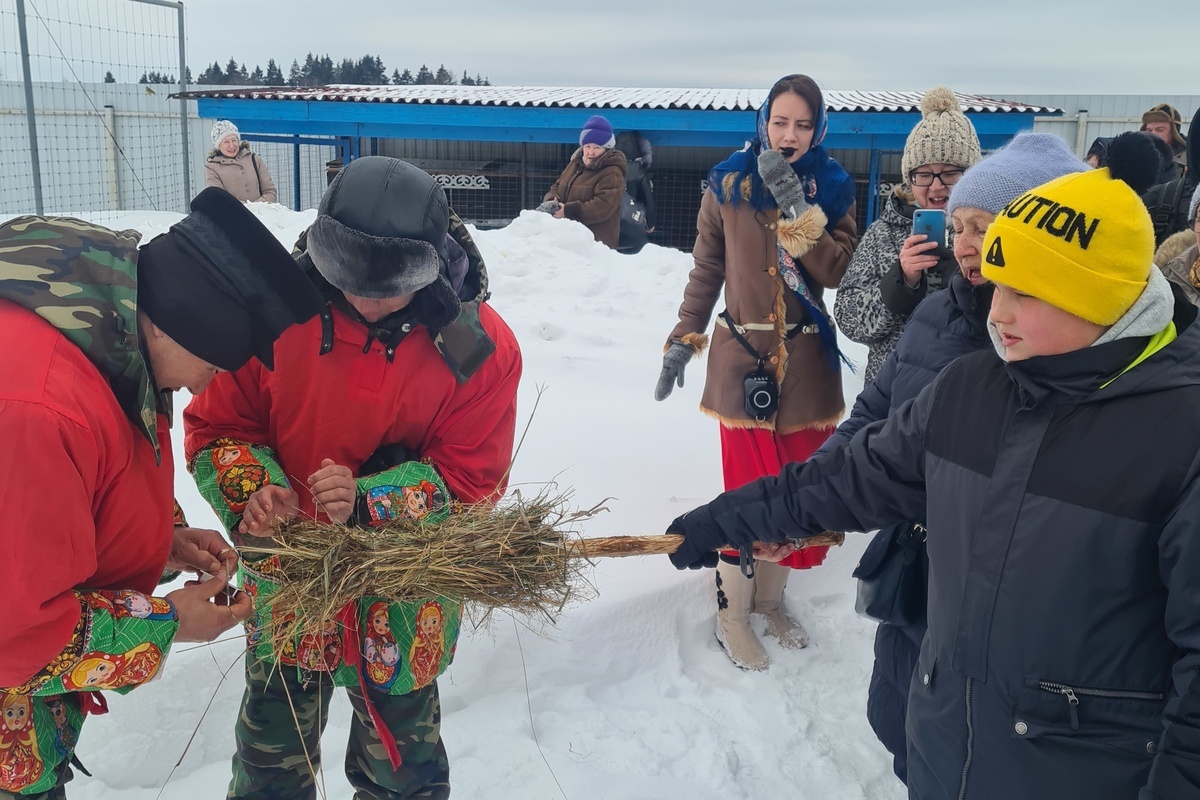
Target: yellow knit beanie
(1083, 242)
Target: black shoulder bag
(892, 577)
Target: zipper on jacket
(962, 789)
(1072, 694)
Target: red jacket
(83, 501)
(345, 404)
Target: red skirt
(748, 454)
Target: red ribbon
(92, 703)
(348, 618)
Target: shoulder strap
(257, 177)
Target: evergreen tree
(232, 75)
(346, 72)
(295, 74)
(443, 76)
(397, 78)
(213, 74)
(274, 76)
(424, 76)
(108, 77)
(257, 77)
(467, 80)
(406, 78)
(188, 73)
(325, 72)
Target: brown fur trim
(817, 424)
(1173, 246)
(800, 234)
(699, 341)
(736, 423)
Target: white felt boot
(735, 599)
(769, 580)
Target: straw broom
(525, 556)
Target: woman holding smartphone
(774, 369)
(894, 267)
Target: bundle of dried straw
(525, 556)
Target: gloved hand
(549, 206)
(783, 183)
(701, 538)
(674, 360)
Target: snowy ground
(629, 696)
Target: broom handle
(617, 546)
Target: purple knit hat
(598, 131)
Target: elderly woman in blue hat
(590, 188)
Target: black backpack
(1168, 206)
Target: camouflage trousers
(279, 730)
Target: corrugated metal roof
(602, 97)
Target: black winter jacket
(1063, 509)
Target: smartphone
(932, 223)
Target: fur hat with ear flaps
(381, 231)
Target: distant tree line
(321, 70)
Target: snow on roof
(602, 97)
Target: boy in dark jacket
(1063, 648)
(946, 325)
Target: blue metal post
(296, 174)
(873, 184)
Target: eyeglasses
(948, 178)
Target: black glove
(674, 360)
(701, 539)
(783, 183)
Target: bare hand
(915, 257)
(206, 610)
(268, 507)
(200, 550)
(558, 213)
(773, 551)
(333, 490)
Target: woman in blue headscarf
(776, 228)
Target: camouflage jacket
(82, 279)
(87, 501)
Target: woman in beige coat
(776, 228)
(235, 169)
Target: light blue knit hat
(1026, 162)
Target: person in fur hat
(785, 196)
(1062, 657)
(590, 188)
(893, 270)
(99, 329)
(397, 401)
(233, 167)
(1163, 121)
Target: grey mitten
(783, 183)
(549, 206)
(674, 360)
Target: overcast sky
(1016, 46)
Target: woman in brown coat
(232, 167)
(776, 228)
(590, 188)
